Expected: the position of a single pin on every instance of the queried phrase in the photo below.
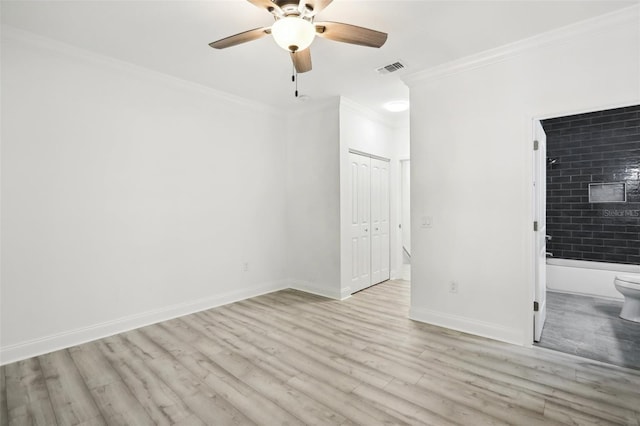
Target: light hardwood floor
(294, 358)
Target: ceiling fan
(294, 30)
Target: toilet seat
(628, 281)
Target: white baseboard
(468, 325)
(406, 272)
(43, 345)
(82, 335)
(313, 288)
(345, 293)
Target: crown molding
(626, 16)
(313, 106)
(371, 114)
(42, 42)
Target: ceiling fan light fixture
(292, 33)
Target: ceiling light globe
(293, 33)
(396, 106)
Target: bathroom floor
(590, 327)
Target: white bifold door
(369, 208)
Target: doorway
(591, 234)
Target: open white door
(540, 228)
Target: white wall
(313, 198)
(128, 197)
(366, 131)
(402, 136)
(471, 154)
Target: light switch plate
(427, 221)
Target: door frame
(402, 196)
(539, 228)
(529, 162)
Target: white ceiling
(172, 37)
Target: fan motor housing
(290, 7)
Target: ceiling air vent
(388, 69)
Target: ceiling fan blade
(270, 6)
(302, 60)
(348, 33)
(244, 37)
(315, 6)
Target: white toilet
(629, 286)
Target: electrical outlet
(244, 267)
(453, 287)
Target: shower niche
(615, 192)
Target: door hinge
(536, 307)
(535, 225)
(535, 145)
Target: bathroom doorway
(592, 235)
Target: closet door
(360, 180)
(379, 221)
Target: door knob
(376, 229)
(365, 230)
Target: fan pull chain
(294, 78)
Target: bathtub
(582, 277)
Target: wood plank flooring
(293, 358)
